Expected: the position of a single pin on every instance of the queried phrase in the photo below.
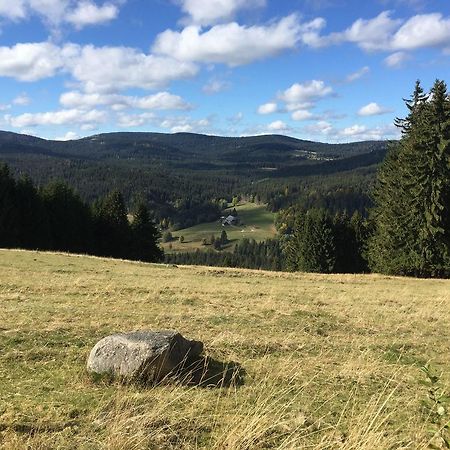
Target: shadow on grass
(208, 372)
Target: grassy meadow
(328, 361)
(255, 223)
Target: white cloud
(424, 30)
(268, 108)
(97, 69)
(373, 109)
(69, 136)
(88, 13)
(13, 10)
(301, 95)
(302, 115)
(396, 60)
(383, 33)
(22, 100)
(159, 101)
(33, 61)
(322, 127)
(358, 74)
(185, 125)
(216, 86)
(231, 43)
(79, 13)
(278, 126)
(353, 130)
(210, 12)
(134, 120)
(109, 69)
(361, 132)
(62, 117)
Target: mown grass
(255, 223)
(331, 362)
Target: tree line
(54, 217)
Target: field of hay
(327, 361)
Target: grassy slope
(257, 223)
(331, 361)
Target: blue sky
(326, 70)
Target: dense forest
(54, 217)
(338, 209)
(184, 177)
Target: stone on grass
(143, 356)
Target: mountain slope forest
(185, 178)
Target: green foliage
(247, 253)
(55, 218)
(312, 247)
(437, 408)
(145, 236)
(411, 215)
(321, 243)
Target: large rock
(144, 356)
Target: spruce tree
(312, 247)
(411, 234)
(145, 236)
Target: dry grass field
(327, 362)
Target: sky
(324, 70)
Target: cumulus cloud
(231, 43)
(384, 33)
(302, 95)
(62, 117)
(96, 69)
(69, 136)
(201, 12)
(358, 74)
(34, 61)
(185, 124)
(362, 132)
(79, 13)
(106, 69)
(373, 109)
(302, 115)
(22, 100)
(322, 127)
(88, 13)
(134, 120)
(268, 108)
(396, 60)
(159, 101)
(278, 126)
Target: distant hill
(167, 167)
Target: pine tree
(112, 229)
(411, 234)
(145, 236)
(312, 247)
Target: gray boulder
(144, 356)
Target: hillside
(328, 362)
(255, 222)
(164, 165)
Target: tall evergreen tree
(112, 229)
(145, 236)
(411, 234)
(312, 247)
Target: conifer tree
(312, 248)
(145, 236)
(411, 233)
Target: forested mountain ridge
(179, 175)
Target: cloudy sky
(327, 70)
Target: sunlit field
(320, 361)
